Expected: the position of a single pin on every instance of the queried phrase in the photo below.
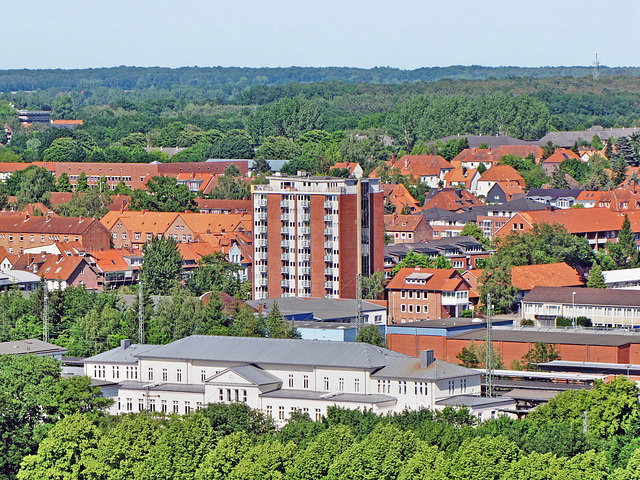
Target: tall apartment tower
(314, 235)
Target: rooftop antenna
(359, 319)
(596, 68)
(489, 353)
(140, 315)
(45, 314)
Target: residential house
(134, 229)
(498, 173)
(604, 307)
(588, 199)
(66, 124)
(407, 228)
(526, 277)
(462, 252)
(453, 199)
(597, 225)
(619, 200)
(417, 294)
(192, 253)
(32, 346)
(445, 223)
(551, 163)
(278, 377)
(503, 192)
(463, 178)
(19, 232)
(398, 195)
(473, 157)
(428, 169)
(555, 197)
(61, 271)
(355, 170)
(113, 268)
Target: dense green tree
(483, 458)
(371, 334)
(231, 186)
(472, 230)
(164, 194)
(161, 265)
(315, 460)
(82, 184)
(413, 259)
(373, 286)
(381, 455)
(36, 185)
(65, 453)
(86, 204)
(63, 184)
(214, 272)
(596, 279)
(278, 326)
(540, 353)
(64, 149)
(220, 461)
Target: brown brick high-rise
(313, 235)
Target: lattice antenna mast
(45, 314)
(140, 314)
(489, 352)
(359, 319)
(596, 68)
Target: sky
(405, 34)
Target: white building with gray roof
(275, 376)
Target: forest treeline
(235, 442)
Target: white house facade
(275, 376)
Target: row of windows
(150, 405)
(411, 294)
(32, 238)
(100, 371)
(232, 395)
(418, 308)
(292, 410)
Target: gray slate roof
(33, 345)
(250, 373)
(554, 193)
(408, 368)
(162, 387)
(320, 309)
(274, 351)
(567, 139)
(475, 401)
(120, 355)
(329, 397)
(584, 296)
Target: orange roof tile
(402, 223)
(546, 275)
(431, 279)
(422, 165)
(399, 196)
(110, 260)
(67, 122)
(560, 155)
(502, 173)
(451, 199)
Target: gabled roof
(398, 195)
(60, 268)
(580, 220)
(549, 275)
(459, 176)
(120, 354)
(422, 165)
(195, 251)
(451, 199)
(250, 373)
(510, 189)
(402, 223)
(409, 368)
(45, 225)
(589, 196)
(431, 279)
(502, 173)
(110, 260)
(235, 206)
(494, 155)
(560, 155)
(152, 222)
(351, 166)
(555, 193)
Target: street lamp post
(573, 309)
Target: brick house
(426, 294)
(18, 232)
(407, 228)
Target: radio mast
(596, 68)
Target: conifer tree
(596, 280)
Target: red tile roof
(502, 173)
(422, 165)
(399, 196)
(560, 155)
(451, 199)
(431, 279)
(547, 275)
(402, 223)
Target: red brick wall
(96, 237)
(317, 245)
(349, 240)
(273, 249)
(376, 223)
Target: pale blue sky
(406, 34)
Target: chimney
(81, 219)
(26, 217)
(426, 358)
(48, 217)
(124, 344)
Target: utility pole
(140, 314)
(359, 319)
(45, 314)
(488, 344)
(596, 68)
